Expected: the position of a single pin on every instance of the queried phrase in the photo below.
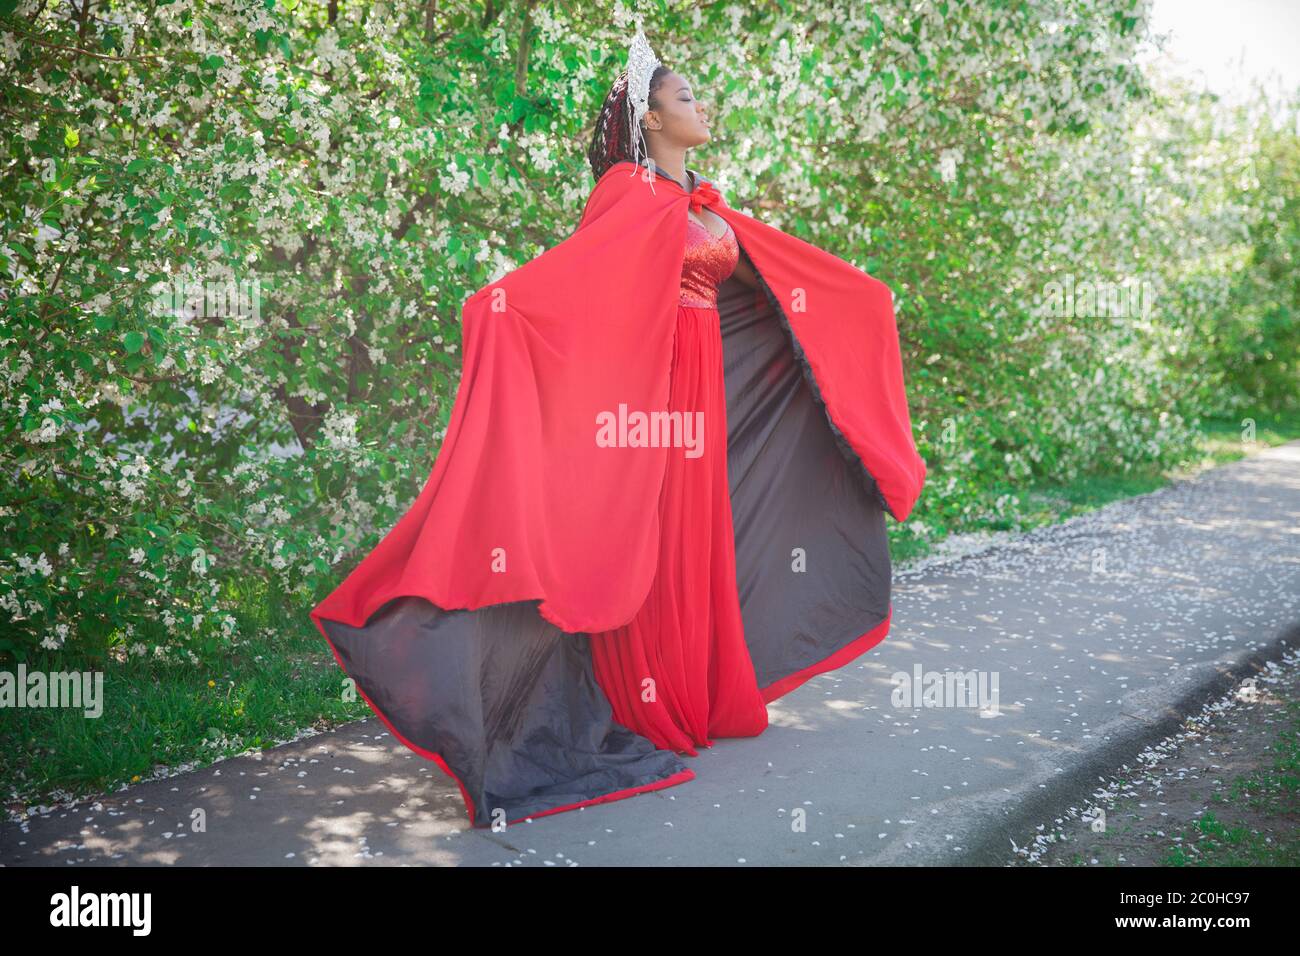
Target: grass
(1207, 819)
(163, 715)
(1046, 502)
(1268, 793)
(284, 678)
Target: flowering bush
(237, 236)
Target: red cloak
(525, 514)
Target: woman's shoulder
(616, 185)
(624, 167)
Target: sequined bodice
(708, 261)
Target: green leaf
(132, 342)
(234, 191)
(70, 137)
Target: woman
(660, 501)
(679, 673)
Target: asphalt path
(1099, 635)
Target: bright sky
(1227, 44)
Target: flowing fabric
(680, 673)
(484, 629)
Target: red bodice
(708, 261)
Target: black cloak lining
(846, 449)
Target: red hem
(841, 657)
(769, 693)
(682, 776)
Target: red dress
(535, 556)
(680, 673)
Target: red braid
(611, 139)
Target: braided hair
(611, 140)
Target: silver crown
(641, 64)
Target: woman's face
(678, 118)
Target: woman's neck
(673, 163)
(683, 177)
